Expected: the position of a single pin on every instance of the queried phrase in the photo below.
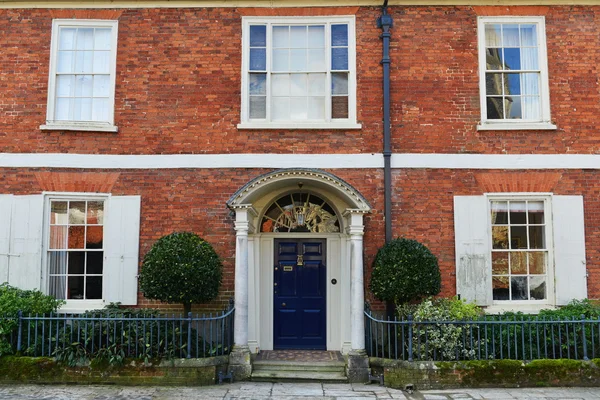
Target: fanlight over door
(300, 212)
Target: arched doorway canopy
(317, 180)
(300, 212)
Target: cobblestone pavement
(283, 391)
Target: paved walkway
(282, 391)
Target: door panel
(299, 294)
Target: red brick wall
(178, 83)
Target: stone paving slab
(282, 391)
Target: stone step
(334, 366)
(298, 376)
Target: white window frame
(507, 124)
(349, 123)
(71, 305)
(97, 126)
(526, 306)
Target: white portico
(319, 211)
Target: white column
(243, 225)
(357, 291)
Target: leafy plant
(405, 270)
(181, 268)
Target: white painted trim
(508, 124)
(328, 161)
(106, 126)
(299, 125)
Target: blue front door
(299, 294)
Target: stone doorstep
(299, 376)
(300, 365)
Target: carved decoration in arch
(300, 212)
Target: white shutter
(569, 248)
(5, 217)
(473, 253)
(121, 249)
(25, 265)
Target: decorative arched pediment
(311, 179)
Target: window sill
(299, 125)
(82, 126)
(517, 126)
(523, 308)
(81, 306)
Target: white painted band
(326, 161)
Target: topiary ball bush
(181, 268)
(404, 271)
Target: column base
(240, 365)
(358, 366)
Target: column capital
(244, 214)
(354, 218)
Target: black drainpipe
(385, 22)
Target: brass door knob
(282, 304)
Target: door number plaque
(288, 268)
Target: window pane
(298, 36)
(281, 36)
(517, 212)
(512, 59)
(518, 286)
(298, 60)
(500, 288)
(77, 212)
(102, 39)
(529, 58)
(514, 84)
(85, 39)
(528, 35)
(510, 35)
(495, 108)
(500, 237)
(258, 59)
(316, 108)
(316, 60)
(64, 85)
(537, 287)
(82, 109)
(316, 84)
(513, 107)
(58, 237)
(281, 60)
(499, 212)
(66, 39)
(530, 84)
(535, 212)
(94, 262)
(258, 35)
(101, 86)
(494, 84)
(93, 239)
(93, 288)
(84, 61)
(76, 262)
(280, 84)
(62, 108)
(493, 35)
(339, 107)
(57, 261)
(339, 35)
(258, 84)
(57, 287)
(280, 108)
(99, 110)
(95, 212)
(536, 237)
(65, 62)
(75, 289)
(58, 212)
(76, 237)
(101, 62)
(493, 59)
(518, 263)
(298, 108)
(537, 262)
(339, 59)
(339, 83)
(531, 107)
(518, 237)
(298, 85)
(316, 37)
(499, 263)
(84, 85)
(258, 107)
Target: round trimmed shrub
(405, 270)
(181, 268)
